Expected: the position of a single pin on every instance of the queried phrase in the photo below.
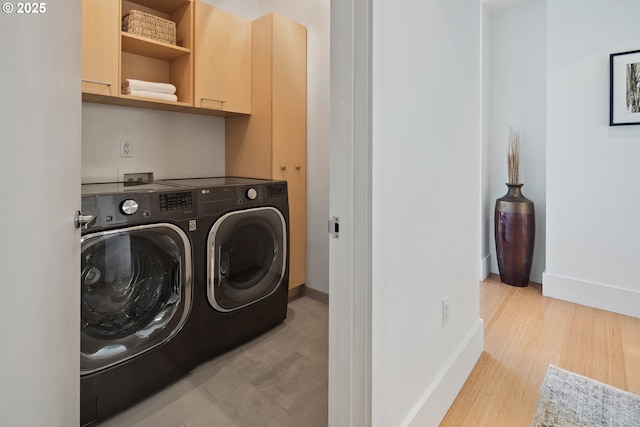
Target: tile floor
(279, 379)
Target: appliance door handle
(176, 273)
(84, 221)
(222, 269)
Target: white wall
(593, 232)
(486, 204)
(516, 96)
(169, 144)
(248, 9)
(426, 158)
(40, 173)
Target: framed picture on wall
(624, 96)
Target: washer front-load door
(246, 257)
(135, 292)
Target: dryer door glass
(133, 292)
(246, 257)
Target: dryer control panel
(217, 199)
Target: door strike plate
(334, 227)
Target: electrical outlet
(126, 148)
(445, 311)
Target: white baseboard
(437, 399)
(605, 297)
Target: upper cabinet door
(223, 60)
(100, 47)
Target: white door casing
(350, 201)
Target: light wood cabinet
(222, 60)
(271, 143)
(110, 55)
(221, 84)
(100, 47)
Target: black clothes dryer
(242, 260)
(137, 333)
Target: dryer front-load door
(246, 257)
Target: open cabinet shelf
(142, 58)
(143, 46)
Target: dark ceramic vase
(515, 229)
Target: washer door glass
(135, 292)
(247, 257)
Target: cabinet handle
(212, 100)
(298, 167)
(97, 82)
(283, 168)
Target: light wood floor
(524, 333)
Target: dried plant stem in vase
(513, 156)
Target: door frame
(350, 296)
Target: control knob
(129, 207)
(252, 194)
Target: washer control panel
(140, 207)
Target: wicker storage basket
(150, 26)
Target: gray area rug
(567, 399)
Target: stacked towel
(144, 89)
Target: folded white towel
(153, 95)
(150, 86)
